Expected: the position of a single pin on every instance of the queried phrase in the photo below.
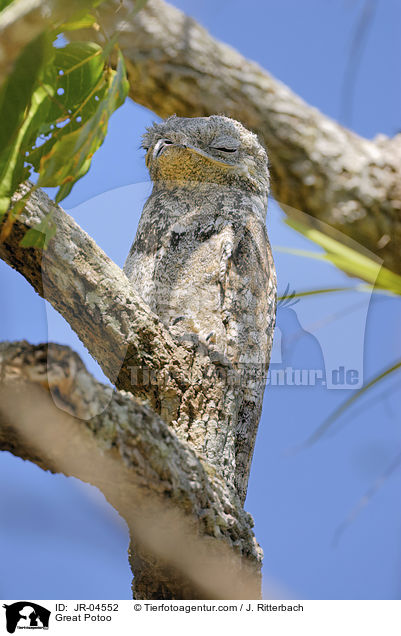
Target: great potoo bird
(201, 258)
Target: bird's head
(216, 149)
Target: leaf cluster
(56, 104)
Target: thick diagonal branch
(20, 23)
(180, 513)
(318, 166)
(23, 20)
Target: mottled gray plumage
(201, 257)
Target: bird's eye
(224, 149)
(165, 142)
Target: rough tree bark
(55, 414)
(191, 388)
(317, 165)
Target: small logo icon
(26, 615)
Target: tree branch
(167, 495)
(20, 23)
(318, 166)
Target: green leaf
(78, 67)
(69, 158)
(51, 93)
(83, 20)
(12, 168)
(18, 92)
(4, 4)
(40, 235)
(53, 133)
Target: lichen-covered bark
(167, 494)
(318, 166)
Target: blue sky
(59, 538)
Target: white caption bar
(176, 617)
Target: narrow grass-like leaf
(327, 290)
(344, 257)
(367, 497)
(321, 430)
